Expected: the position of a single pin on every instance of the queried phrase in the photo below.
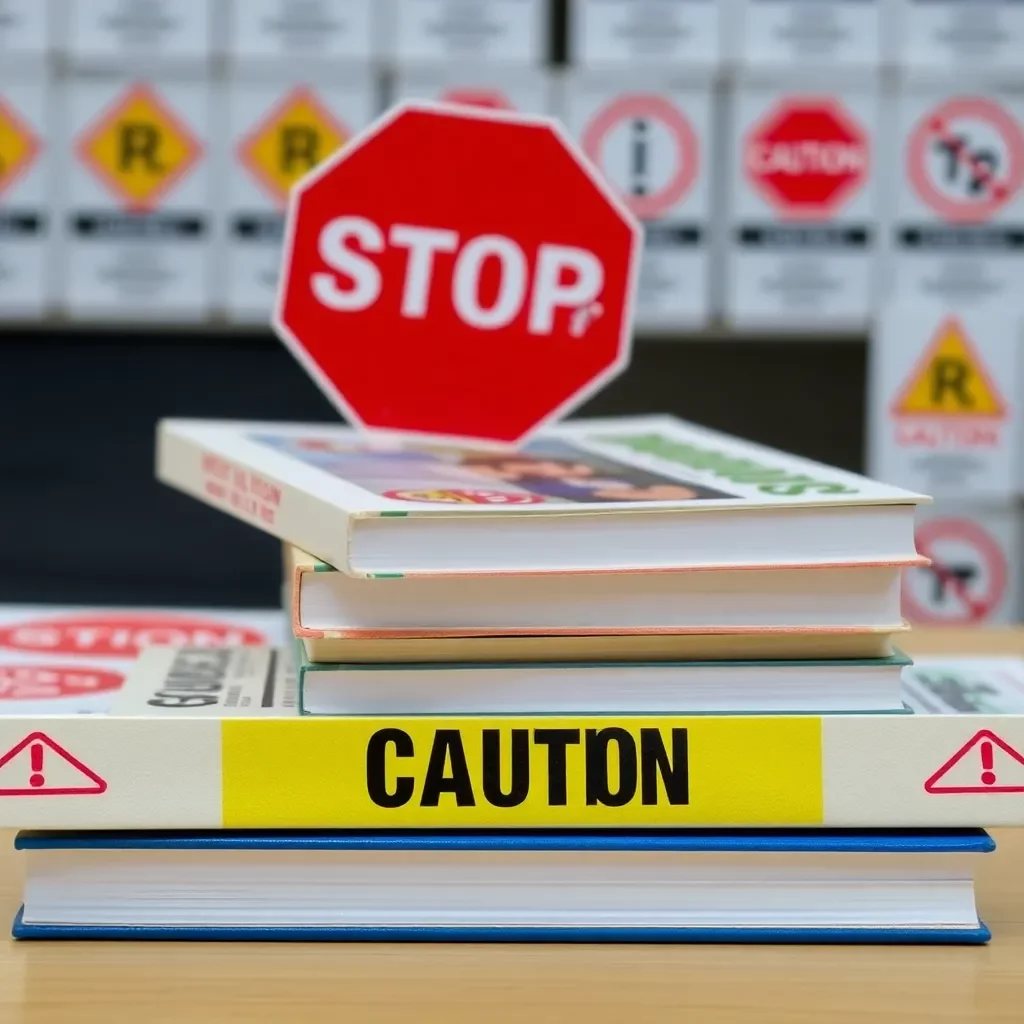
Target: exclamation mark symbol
(36, 778)
(988, 777)
(639, 185)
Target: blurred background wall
(806, 169)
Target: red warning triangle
(38, 766)
(984, 764)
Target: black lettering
(447, 746)
(556, 740)
(674, 771)
(299, 143)
(163, 699)
(951, 375)
(598, 790)
(519, 784)
(376, 768)
(139, 141)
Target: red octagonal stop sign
(458, 272)
(807, 156)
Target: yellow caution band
(521, 772)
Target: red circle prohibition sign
(655, 108)
(989, 553)
(935, 126)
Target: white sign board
(527, 90)
(802, 232)
(61, 660)
(136, 30)
(945, 401)
(482, 30)
(959, 35)
(650, 136)
(958, 223)
(278, 131)
(26, 205)
(788, 33)
(631, 32)
(138, 225)
(24, 28)
(300, 29)
(975, 575)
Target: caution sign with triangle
(944, 397)
(984, 764)
(950, 379)
(39, 766)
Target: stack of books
(576, 690)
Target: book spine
(254, 494)
(507, 771)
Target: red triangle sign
(41, 766)
(984, 764)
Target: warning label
(942, 421)
(984, 764)
(294, 137)
(959, 221)
(950, 380)
(139, 149)
(37, 766)
(525, 772)
(967, 581)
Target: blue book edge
(847, 936)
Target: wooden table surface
(148, 983)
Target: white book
(612, 494)
(648, 687)
(201, 738)
(680, 886)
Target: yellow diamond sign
(139, 149)
(290, 141)
(18, 147)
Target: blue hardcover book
(805, 885)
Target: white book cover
(213, 738)
(74, 659)
(349, 498)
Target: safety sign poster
(944, 401)
(650, 137)
(802, 231)
(974, 576)
(958, 231)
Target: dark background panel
(83, 521)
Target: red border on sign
(244, 149)
(653, 107)
(35, 147)
(960, 529)
(586, 166)
(952, 324)
(193, 146)
(931, 124)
